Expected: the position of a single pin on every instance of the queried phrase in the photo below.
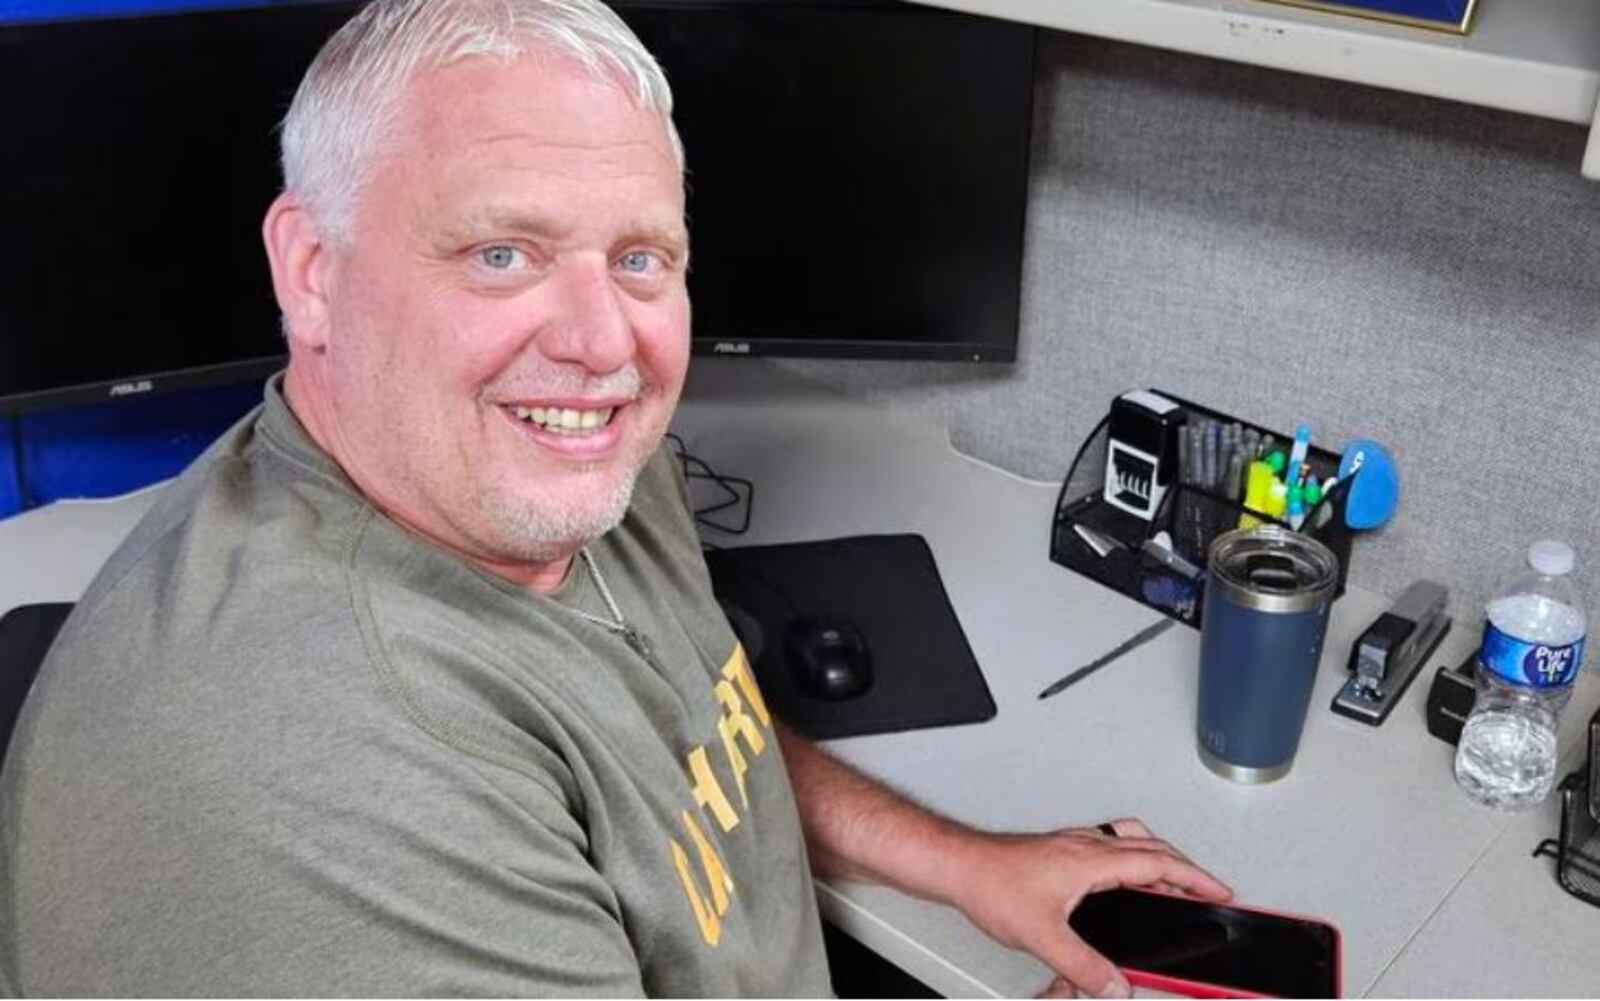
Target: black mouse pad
(888, 587)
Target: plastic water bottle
(1532, 649)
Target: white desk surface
(1368, 830)
(52, 553)
(1433, 895)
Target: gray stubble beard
(537, 534)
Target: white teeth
(565, 420)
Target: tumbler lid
(1272, 569)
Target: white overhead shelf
(1536, 57)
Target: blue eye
(636, 262)
(500, 258)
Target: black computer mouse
(828, 658)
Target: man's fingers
(1129, 827)
(1147, 868)
(1058, 988)
(1152, 845)
(1080, 966)
(1131, 833)
(1183, 876)
(1146, 844)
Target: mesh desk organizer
(1577, 850)
(1192, 515)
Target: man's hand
(1020, 889)
(1017, 887)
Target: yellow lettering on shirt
(707, 916)
(738, 669)
(734, 725)
(708, 792)
(744, 714)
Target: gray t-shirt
(283, 746)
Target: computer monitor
(141, 155)
(857, 176)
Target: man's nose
(589, 327)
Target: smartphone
(1205, 950)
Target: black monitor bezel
(140, 386)
(144, 385)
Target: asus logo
(731, 348)
(129, 388)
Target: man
(415, 683)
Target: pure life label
(1530, 664)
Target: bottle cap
(1551, 558)
(1276, 462)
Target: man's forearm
(1019, 888)
(857, 828)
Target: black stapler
(1387, 655)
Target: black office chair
(26, 633)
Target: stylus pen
(1138, 639)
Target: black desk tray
(1191, 515)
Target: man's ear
(301, 264)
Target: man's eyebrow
(480, 223)
(672, 235)
(477, 223)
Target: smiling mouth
(566, 420)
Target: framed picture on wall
(1441, 15)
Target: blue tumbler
(1266, 612)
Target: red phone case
(1202, 989)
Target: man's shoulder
(235, 567)
(239, 530)
(259, 617)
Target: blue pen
(1297, 454)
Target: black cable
(695, 468)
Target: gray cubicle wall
(1422, 272)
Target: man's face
(508, 329)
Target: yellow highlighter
(1278, 499)
(1257, 492)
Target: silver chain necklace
(616, 623)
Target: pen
(1212, 433)
(1297, 454)
(1138, 639)
(1165, 555)
(1097, 541)
(1232, 486)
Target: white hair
(348, 101)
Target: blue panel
(112, 448)
(55, 10)
(10, 499)
(1450, 11)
